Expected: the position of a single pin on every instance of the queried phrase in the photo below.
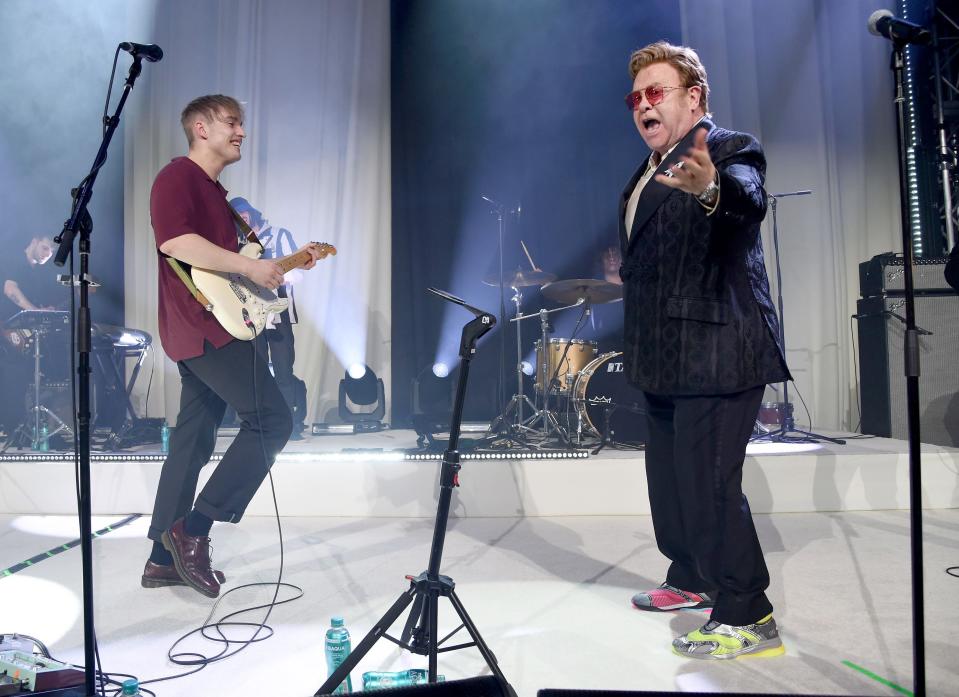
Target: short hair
(209, 107)
(684, 59)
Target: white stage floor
(549, 595)
(545, 552)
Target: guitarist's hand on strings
(315, 254)
(265, 272)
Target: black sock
(196, 524)
(160, 556)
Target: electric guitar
(240, 306)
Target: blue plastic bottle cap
(131, 687)
(336, 621)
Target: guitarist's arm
(198, 251)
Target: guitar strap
(185, 276)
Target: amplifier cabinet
(885, 274)
(882, 383)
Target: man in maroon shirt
(193, 224)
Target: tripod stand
(28, 432)
(787, 425)
(420, 633)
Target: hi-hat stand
(420, 635)
(787, 424)
(549, 424)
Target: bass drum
(602, 389)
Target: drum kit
(581, 396)
(43, 336)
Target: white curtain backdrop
(815, 87)
(314, 78)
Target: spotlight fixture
(362, 399)
(432, 398)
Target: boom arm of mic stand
(79, 216)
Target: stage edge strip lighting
(355, 456)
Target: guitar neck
(294, 261)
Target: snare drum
(580, 353)
(602, 392)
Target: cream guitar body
(240, 306)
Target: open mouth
(650, 126)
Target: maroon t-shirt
(185, 200)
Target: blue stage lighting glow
(441, 370)
(528, 368)
(357, 370)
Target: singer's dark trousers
(236, 374)
(702, 521)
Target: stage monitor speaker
(487, 686)
(882, 381)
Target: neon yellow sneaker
(716, 642)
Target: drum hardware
(515, 405)
(772, 415)
(39, 323)
(517, 279)
(607, 406)
(549, 424)
(608, 433)
(592, 290)
(499, 279)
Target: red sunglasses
(654, 95)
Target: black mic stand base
(420, 634)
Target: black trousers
(236, 374)
(702, 521)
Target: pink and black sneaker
(667, 598)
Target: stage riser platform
(850, 478)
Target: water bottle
(374, 680)
(130, 687)
(337, 649)
(43, 444)
(164, 438)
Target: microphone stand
(911, 370)
(81, 222)
(787, 424)
(421, 634)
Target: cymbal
(594, 290)
(520, 278)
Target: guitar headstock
(323, 249)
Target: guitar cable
(214, 630)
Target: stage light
(432, 402)
(362, 398)
(528, 368)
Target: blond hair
(208, 107)
(684, 59)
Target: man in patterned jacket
(701, 341)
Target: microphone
(151, 52)
(884, 23)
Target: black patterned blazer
(699, 319)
